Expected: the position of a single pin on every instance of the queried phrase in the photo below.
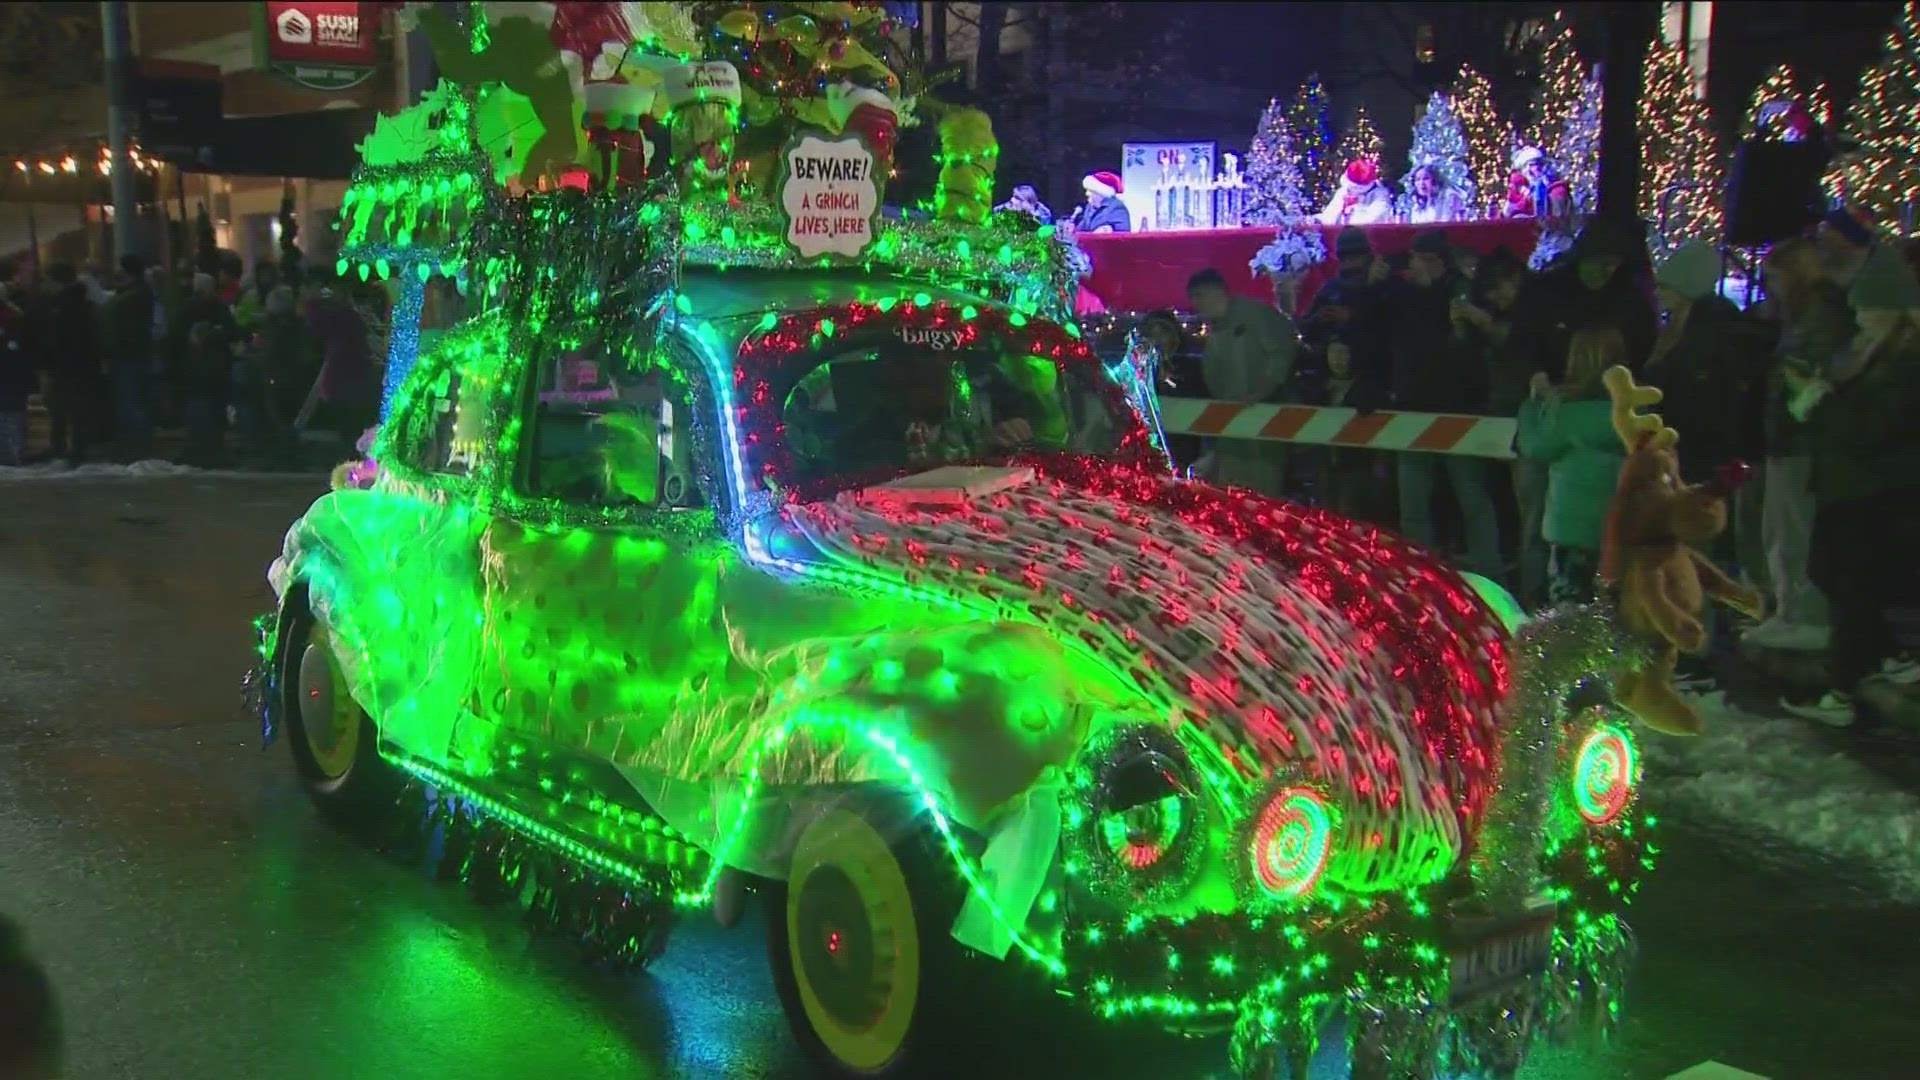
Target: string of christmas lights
(1361, 141)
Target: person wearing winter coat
(347, 388)
(1436, 370)
(1249, 358)
(1569, 429)
(209, 343)
(1815, 331)
(128, 318)
(76, 382)
(1865, 445)
(1352, 479)
(17, 378)
(1706, 360)
(1598, 284)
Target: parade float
(749, 539)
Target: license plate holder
(1488, 955)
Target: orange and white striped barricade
(1437, 433)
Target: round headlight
(1289, 842)
(1605, 770)
(1138, 829)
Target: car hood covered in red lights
(1282, 643)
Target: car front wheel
(871, 979)
(335, 745)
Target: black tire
(354, 792)
(850, 986)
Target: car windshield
(908, 407)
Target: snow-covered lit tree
(1275, 190)
(1577, 150)
(1311, 124)
(1682, 175)
(1563, 79)
(1489, 137)
(1439, 141)
(1881, 178)
(1361, 140)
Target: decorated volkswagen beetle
(698, 564)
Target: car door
(600, 573)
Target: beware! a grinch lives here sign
(830, 196)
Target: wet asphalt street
(200, 922)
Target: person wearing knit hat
(1104, 212)
(1690, 272)
(1866, 487)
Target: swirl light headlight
(1287, 844)
(1138, 829)
(1606, 769)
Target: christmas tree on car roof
(1880, 177)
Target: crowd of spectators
(1814, 384)
(236, 368)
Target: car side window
(453, 437)
(608, 437)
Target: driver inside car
(915, 410)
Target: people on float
(1103, 212)
(1429, 199)
(1249, 358)
(1026, 200)
(1534, 189)
(1361, 198)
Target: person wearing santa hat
(1534, 190)
(1104, 212)
(1361, 199)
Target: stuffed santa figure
(1361, 198)
(1534, 190)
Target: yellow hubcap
(852, 940)
(328, 714)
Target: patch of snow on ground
(100, 470)
(1773, 775)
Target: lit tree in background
(1488, 136)
(1362, 140)
(1312, 130)
(1881, 178)
(1563, 80)
(1783, 84)
(1682, 177)
(1577, 150)
(1439, 140)
(1274, 185)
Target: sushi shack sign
(830, 196)
(318, 45)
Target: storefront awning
(304, 146)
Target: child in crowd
(1569, 429)
(29, 1018)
